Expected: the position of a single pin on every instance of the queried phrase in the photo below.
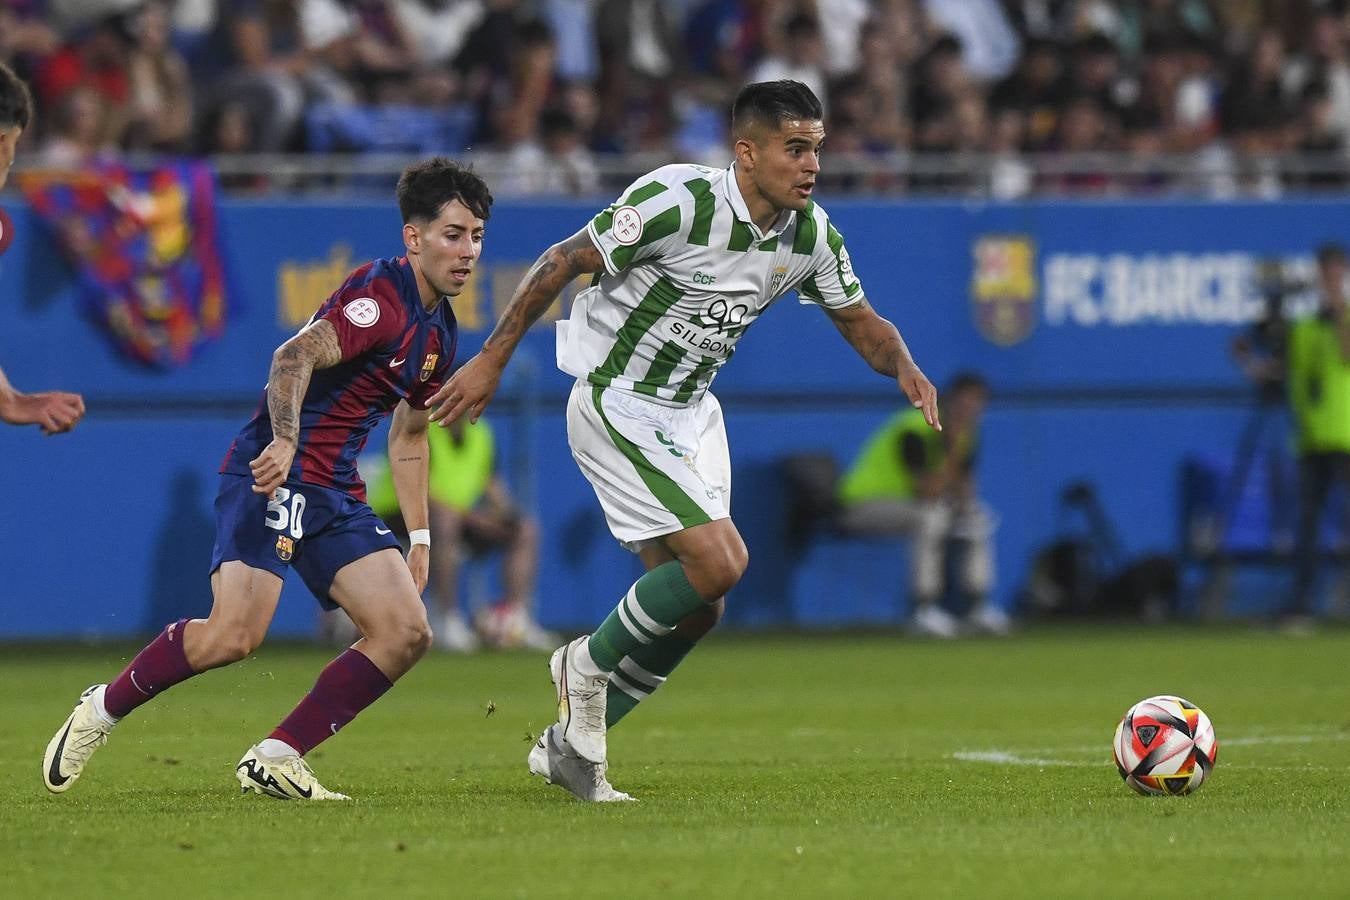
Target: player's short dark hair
(965, 381)
(1330, 252)
(772, 103)
(16, 104)
(425, 187)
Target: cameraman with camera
(1319, 395)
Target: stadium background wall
(1102, 326)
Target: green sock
(656, 603)
(641, 672)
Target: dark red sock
(348, 685)
(158, 667)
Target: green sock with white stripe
(641, 672)
(655, 604)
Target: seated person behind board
(473, 512)
(909, 479)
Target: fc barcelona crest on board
(1003, 287)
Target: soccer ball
(1165, 745)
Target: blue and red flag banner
(144, 245)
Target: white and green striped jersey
(686, 273)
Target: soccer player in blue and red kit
(290, 496)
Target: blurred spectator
(1036, 90)
(74, 136)
(1325, 59)
(25, 35)
(1321, 147)
(1179, 107)
(1255, 99)
(802, 57)
(436, 30)
(1095, 69)
(640, 67)
(159, 115)
(573, 25)
(1319, 393)
(547, 157)
(94, 59)
(909, 479)
(1010, 175)
(841, 23)
(273, 75)
(940, 80)
(1083, 133)
(360, 40)
(989, 44)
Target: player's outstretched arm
(409, 459)
(471, 388)
(880, 344)
(315, 347)
(53, 411)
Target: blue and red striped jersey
(392, 349)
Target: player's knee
(414, 636)
(722, 570)
(229, 644)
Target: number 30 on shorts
(285, 516)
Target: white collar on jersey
(732, 191)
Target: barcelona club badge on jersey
(430, 365)
(285, 547)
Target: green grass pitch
(840, 766)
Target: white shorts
(655, 469)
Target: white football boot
(69, 749)
(581, 704)
(990, 619)
(283, 777)
(931, 620)
(583, 779)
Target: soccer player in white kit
(685, 262)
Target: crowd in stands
(550, 90)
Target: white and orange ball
(1165, 745)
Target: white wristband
(420, 536)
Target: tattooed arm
(315, 347)
(472, 387)
(880, 344)
(409, 459)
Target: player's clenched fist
(271, 466)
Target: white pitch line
(1015, 758)
(1249, 741)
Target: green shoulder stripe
(605, 220)
(701, 190)
(835, 240)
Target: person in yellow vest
(1319, 393)
(909, 479)
(472, 512)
